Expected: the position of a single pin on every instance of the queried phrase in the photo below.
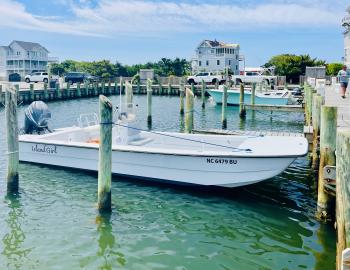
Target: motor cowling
(36, 118)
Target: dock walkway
(333, 98)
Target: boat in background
(273, 97)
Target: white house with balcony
(23, 58)
(215, 56)
(346, 25)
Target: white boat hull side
(233, 98)
(186, 169)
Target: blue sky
(137, 31)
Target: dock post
(149, 103)
(224, 108)
(122, 86)
(109, 91)
(103, 87)
(12, 139)
(328, 132)
(189, 111)
(203, 94)
(78, 90)
(169, 89)
(252, 96)
(242, 111)
(1, 98)
(57, 91)
(193, 89)
(343, 196)
(182, 99)
(67, 94)
(104, 198)
(86, 89)
(31, 90)
(216, 84)
(46, 93)
(316, 119)
(129, 94)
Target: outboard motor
(36, 118)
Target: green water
(53, 223)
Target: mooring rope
(180, 138)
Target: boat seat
(140, 142)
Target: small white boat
(217, 160)
(277, 97)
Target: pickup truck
(39, 77)
(251, 77)
(207, 77)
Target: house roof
(29, 46)
(215, 43)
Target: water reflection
(13, 240)
(107, 243)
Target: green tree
(333, 68)
(292, 66)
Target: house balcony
(27, 58)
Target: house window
(229, 62)
(212, 51)
(236, 56)
(218, 62)
(236, 67)
(200, 63)
(207, 62)
(18, 53)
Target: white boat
(210, 160)
(276, 97)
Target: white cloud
(135, 17)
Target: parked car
(14, 77)
(207, 77)
(37, 77)
(78, 77)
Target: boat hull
(260, 99)
(228, 171)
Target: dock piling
(203, 94)
(189, 111)
(242, 111)
(343, 197)
(149, 103)
(316, 119)
(104, 200)
(328, 132)
(31, 90)
(12, 139)
(252, 96)
(224, 108)
(182, 99)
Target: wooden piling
(328, 132)
(12, 139)
(1, 96)
(189, 111)
(316, 119)
(203, 94)
(169, 89)
(103, 85)
(58, 91)
(46, 92)
(242, 111)
(31, 90)
(343, 196)
(149, 102)
(78, 90)
(252, 96)
(109, 90)
(182, 100)
(224, 108)
(104, 202)
(129, 94)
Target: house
(346, 25)
(215, 56)
(23, 58)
